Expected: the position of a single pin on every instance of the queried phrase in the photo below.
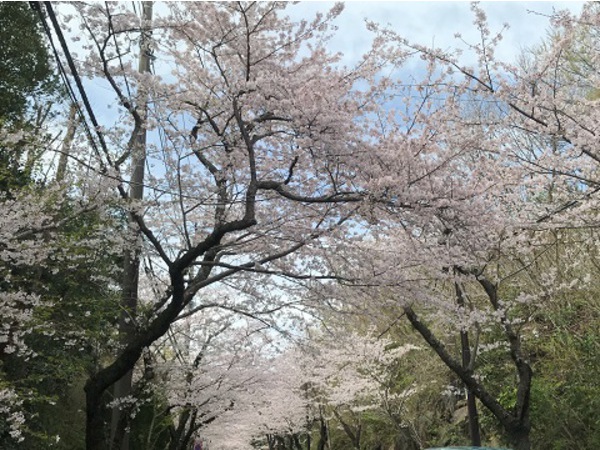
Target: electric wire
(76, 77)
(64, 76)
(114, 35)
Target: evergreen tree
(25, 69)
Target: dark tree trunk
(355, 437)
(519, 438)
(181, 437)
(515, 423)
(280, 443)
(474, 433)
(322, 434)
(95, 438)
(468, 363)
(296, 441)
(99, 382)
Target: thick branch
(336, 197)
(504, 416)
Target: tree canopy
(261, 248)
(25, 66)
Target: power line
(77, 79)
(63, 73)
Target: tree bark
(474, 432)
(296, 441)
(519, 431)
(102, 380)
(322, 434)
(516, 424)
(119, 419)
(354, 436)
(468, 364)
(181, 436)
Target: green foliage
(566, 390)
(24, 61)
(69, 335)
(29, 90)
(12, 175)
(150, 427)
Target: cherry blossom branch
(463, 373)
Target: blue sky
(436, 22)
(422, 22)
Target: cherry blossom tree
(47, 242)
(285, 395)
(508, 158)
(259, 135)
(208, 367)
(351, 374)
(269, 405)
(274, 171)
(265, 152)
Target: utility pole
(66, 145)
(131, 262)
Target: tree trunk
(280, 443)
(94, 437)
(516, 424)
(296, 441)
(354, 436)
(519, 439)
(270, 442)
(322, 434)
(102, 380)
(474, 432)
(181, 437)
(468, 360)
(120, 420)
